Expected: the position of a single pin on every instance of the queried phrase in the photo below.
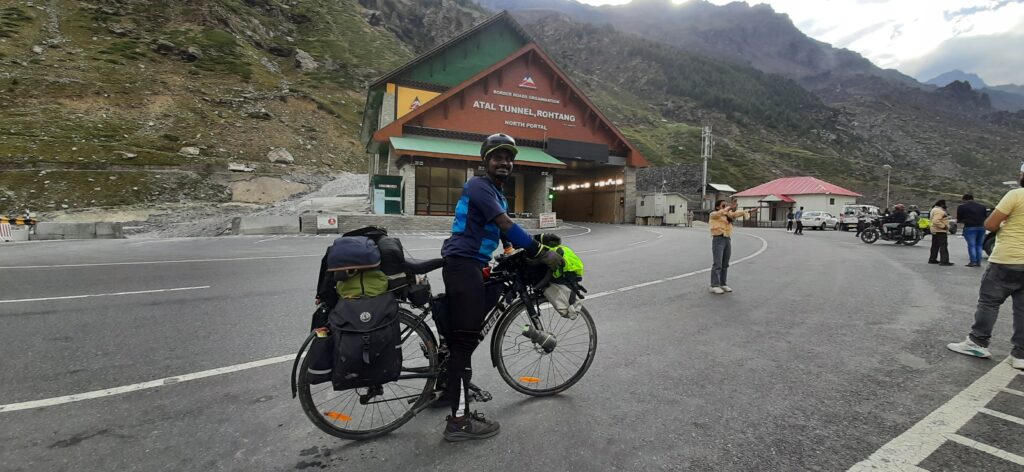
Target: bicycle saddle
(415, 267)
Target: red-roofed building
(778, 197)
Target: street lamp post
(888, 174)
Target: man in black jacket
(971, 215)
(895, 220)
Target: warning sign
(548, 220)
(326, 222)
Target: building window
(438, 188)
(831, 201)
(671, 208)
(641, 202)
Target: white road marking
(1013, 392)
(275, 238)
(142, 386)
(1008, 456)
(183, 261)
(922, 439)
(764, 247)
(1001, 415)
(116, 294)
(274, 360)
(588, 230)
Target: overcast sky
(922, 38)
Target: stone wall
(536, 189)
(629, 194)
(397, 223)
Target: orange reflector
(337, 416)
(529, 380)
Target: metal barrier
(18, 220)
(8, 228)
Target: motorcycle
(907, 234)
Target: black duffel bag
(367, 342)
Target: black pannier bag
(321, 357)
(367, 342)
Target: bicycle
(536, 350)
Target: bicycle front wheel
(365, 413)
(527, 367)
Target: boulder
(280, 155)
(37, 49)
(163, 46)
(281, 51)
(192, 54)
(239, 167)
(304, 61)
(374, 17)
(189, 151)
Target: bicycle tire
(425, 348)
(527, 384)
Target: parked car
(851, 213)
(819, 220)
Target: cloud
(996, 58)
(968, 11)
(851, 38)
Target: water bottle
(543, 339)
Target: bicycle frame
(515, 290)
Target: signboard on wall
(548, 220)
(409, 99)
(326, 222)
(527, 99)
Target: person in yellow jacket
(940, 234)
(720, 222)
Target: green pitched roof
(424, 144)
(463, 56)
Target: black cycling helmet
(498, 141)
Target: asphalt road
(828, 354)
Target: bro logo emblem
(365, 317)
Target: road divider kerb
(284, 358)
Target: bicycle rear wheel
(365, 413)
(528, 368)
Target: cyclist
(480, 223)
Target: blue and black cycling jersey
(474, 233)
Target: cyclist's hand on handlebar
(550, 258)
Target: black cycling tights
(464, 286)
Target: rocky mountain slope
(938, 141)
(121, 102)
(1002, 97)
(878, 116)
(946, 78)
(754, 35)
(113, 102)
